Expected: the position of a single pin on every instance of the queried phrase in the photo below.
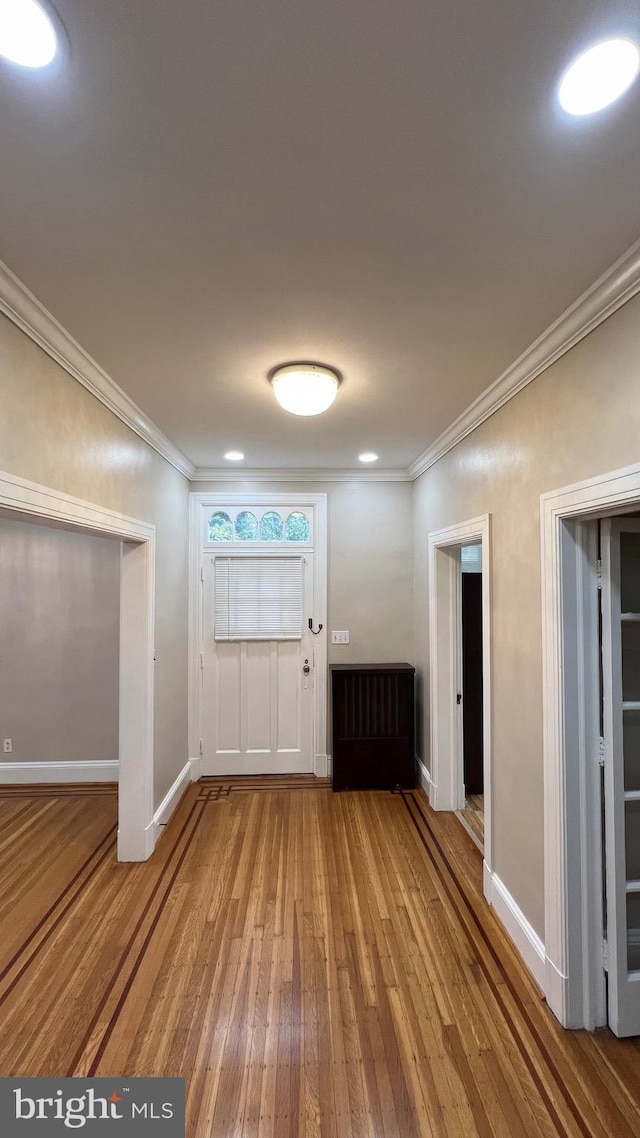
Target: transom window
(256, 525)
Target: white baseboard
(171, 800)
(196, 768)
(523, 935)
(21, 774)
(424, 778)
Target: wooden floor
(472, 818)
(314, 964)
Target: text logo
(130, 1107)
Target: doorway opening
(59, 665)
(460, 678)
(471, 691)
(258, 634)
(40, 505)
(591, 693)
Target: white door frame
(445, 625)
(574, 985)
(199, 504)
(32, 502)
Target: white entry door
(621, 729)
(258, 674)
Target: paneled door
(621, 745)
(258, 674)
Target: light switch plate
(340, 637)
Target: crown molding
(610, 292)
(240, 474)
(613, 289)
(26, 311)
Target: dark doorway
(472, 682)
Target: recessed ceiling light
(368, 456)
(599, 76)
(27, 35)
(234, 456)
(305, 389)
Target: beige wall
(54, 432)
(370, 563)
(59, 629)
(579, 419)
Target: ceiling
(201, 191)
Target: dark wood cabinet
(373, 726)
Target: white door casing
(445, 660)
(574, 986)
(622, 829)
(136, 827)
(286, 732)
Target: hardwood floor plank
(315, 965)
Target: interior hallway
(313, 963)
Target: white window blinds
(258, 598)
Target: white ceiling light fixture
(305, 388)
(27, 34)
(368, 456)
(234, 456)
(599, 76)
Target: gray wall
(59, 631)
(370, 563)
(579, 419)
(54, 432)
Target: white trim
(26, 311)
(289, 474)
(137, 600)
(424, 778)
(524, 936)
(605, 296)
(197, 550)
(614, 288)
(447, 788)
(569, 660)
(321, 766)
(22, 774)
(172, 799)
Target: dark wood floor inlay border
(197, 809)
(524, 1051)
(59, 790)
(106, 846)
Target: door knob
(306, 669)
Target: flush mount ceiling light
(599, 76)
(27, 34)
(305, 388)
(234, 456)
(368, 456)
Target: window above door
(260, 525)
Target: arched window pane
(271, 527)
(220, 528)
(297, 527)
(246, 526)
